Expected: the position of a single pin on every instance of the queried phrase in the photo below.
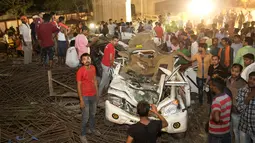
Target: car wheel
(179, 135)
(108, 123)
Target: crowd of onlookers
(221, 51)
(220, 55)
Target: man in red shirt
(53, 18)
(107, 64)
(45, 38)
(219, 123)
(87, 92)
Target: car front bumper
(177, 123)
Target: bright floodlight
(91, 25)
(201, 7)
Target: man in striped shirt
(219, 124)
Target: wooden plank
(66, 86)
(50, 82)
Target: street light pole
(128, 11)
(141, 8)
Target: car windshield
(148, 95)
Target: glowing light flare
(92, 26)
(201, 7)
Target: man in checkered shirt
(246, 106)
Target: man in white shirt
(63, 41)
(221, 34)
(237, 44)
(111, 27)
(168, 18)
(194, 45)
(6, 37)
(25, 33)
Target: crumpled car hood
(134, 92)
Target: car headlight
(170, 108)
(122, 103)
(116, 101)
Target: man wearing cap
(25, 33)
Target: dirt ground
(26, 110)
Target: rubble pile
(29, 114)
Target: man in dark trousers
(204, 60)
(87, 92)
(45, 38)
(146, 130)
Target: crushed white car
(171, 96)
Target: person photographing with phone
(146, 130)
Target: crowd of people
(219, 50)
(220, 56)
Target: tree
(68, 5)
(16, 7)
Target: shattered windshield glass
(147, 94)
